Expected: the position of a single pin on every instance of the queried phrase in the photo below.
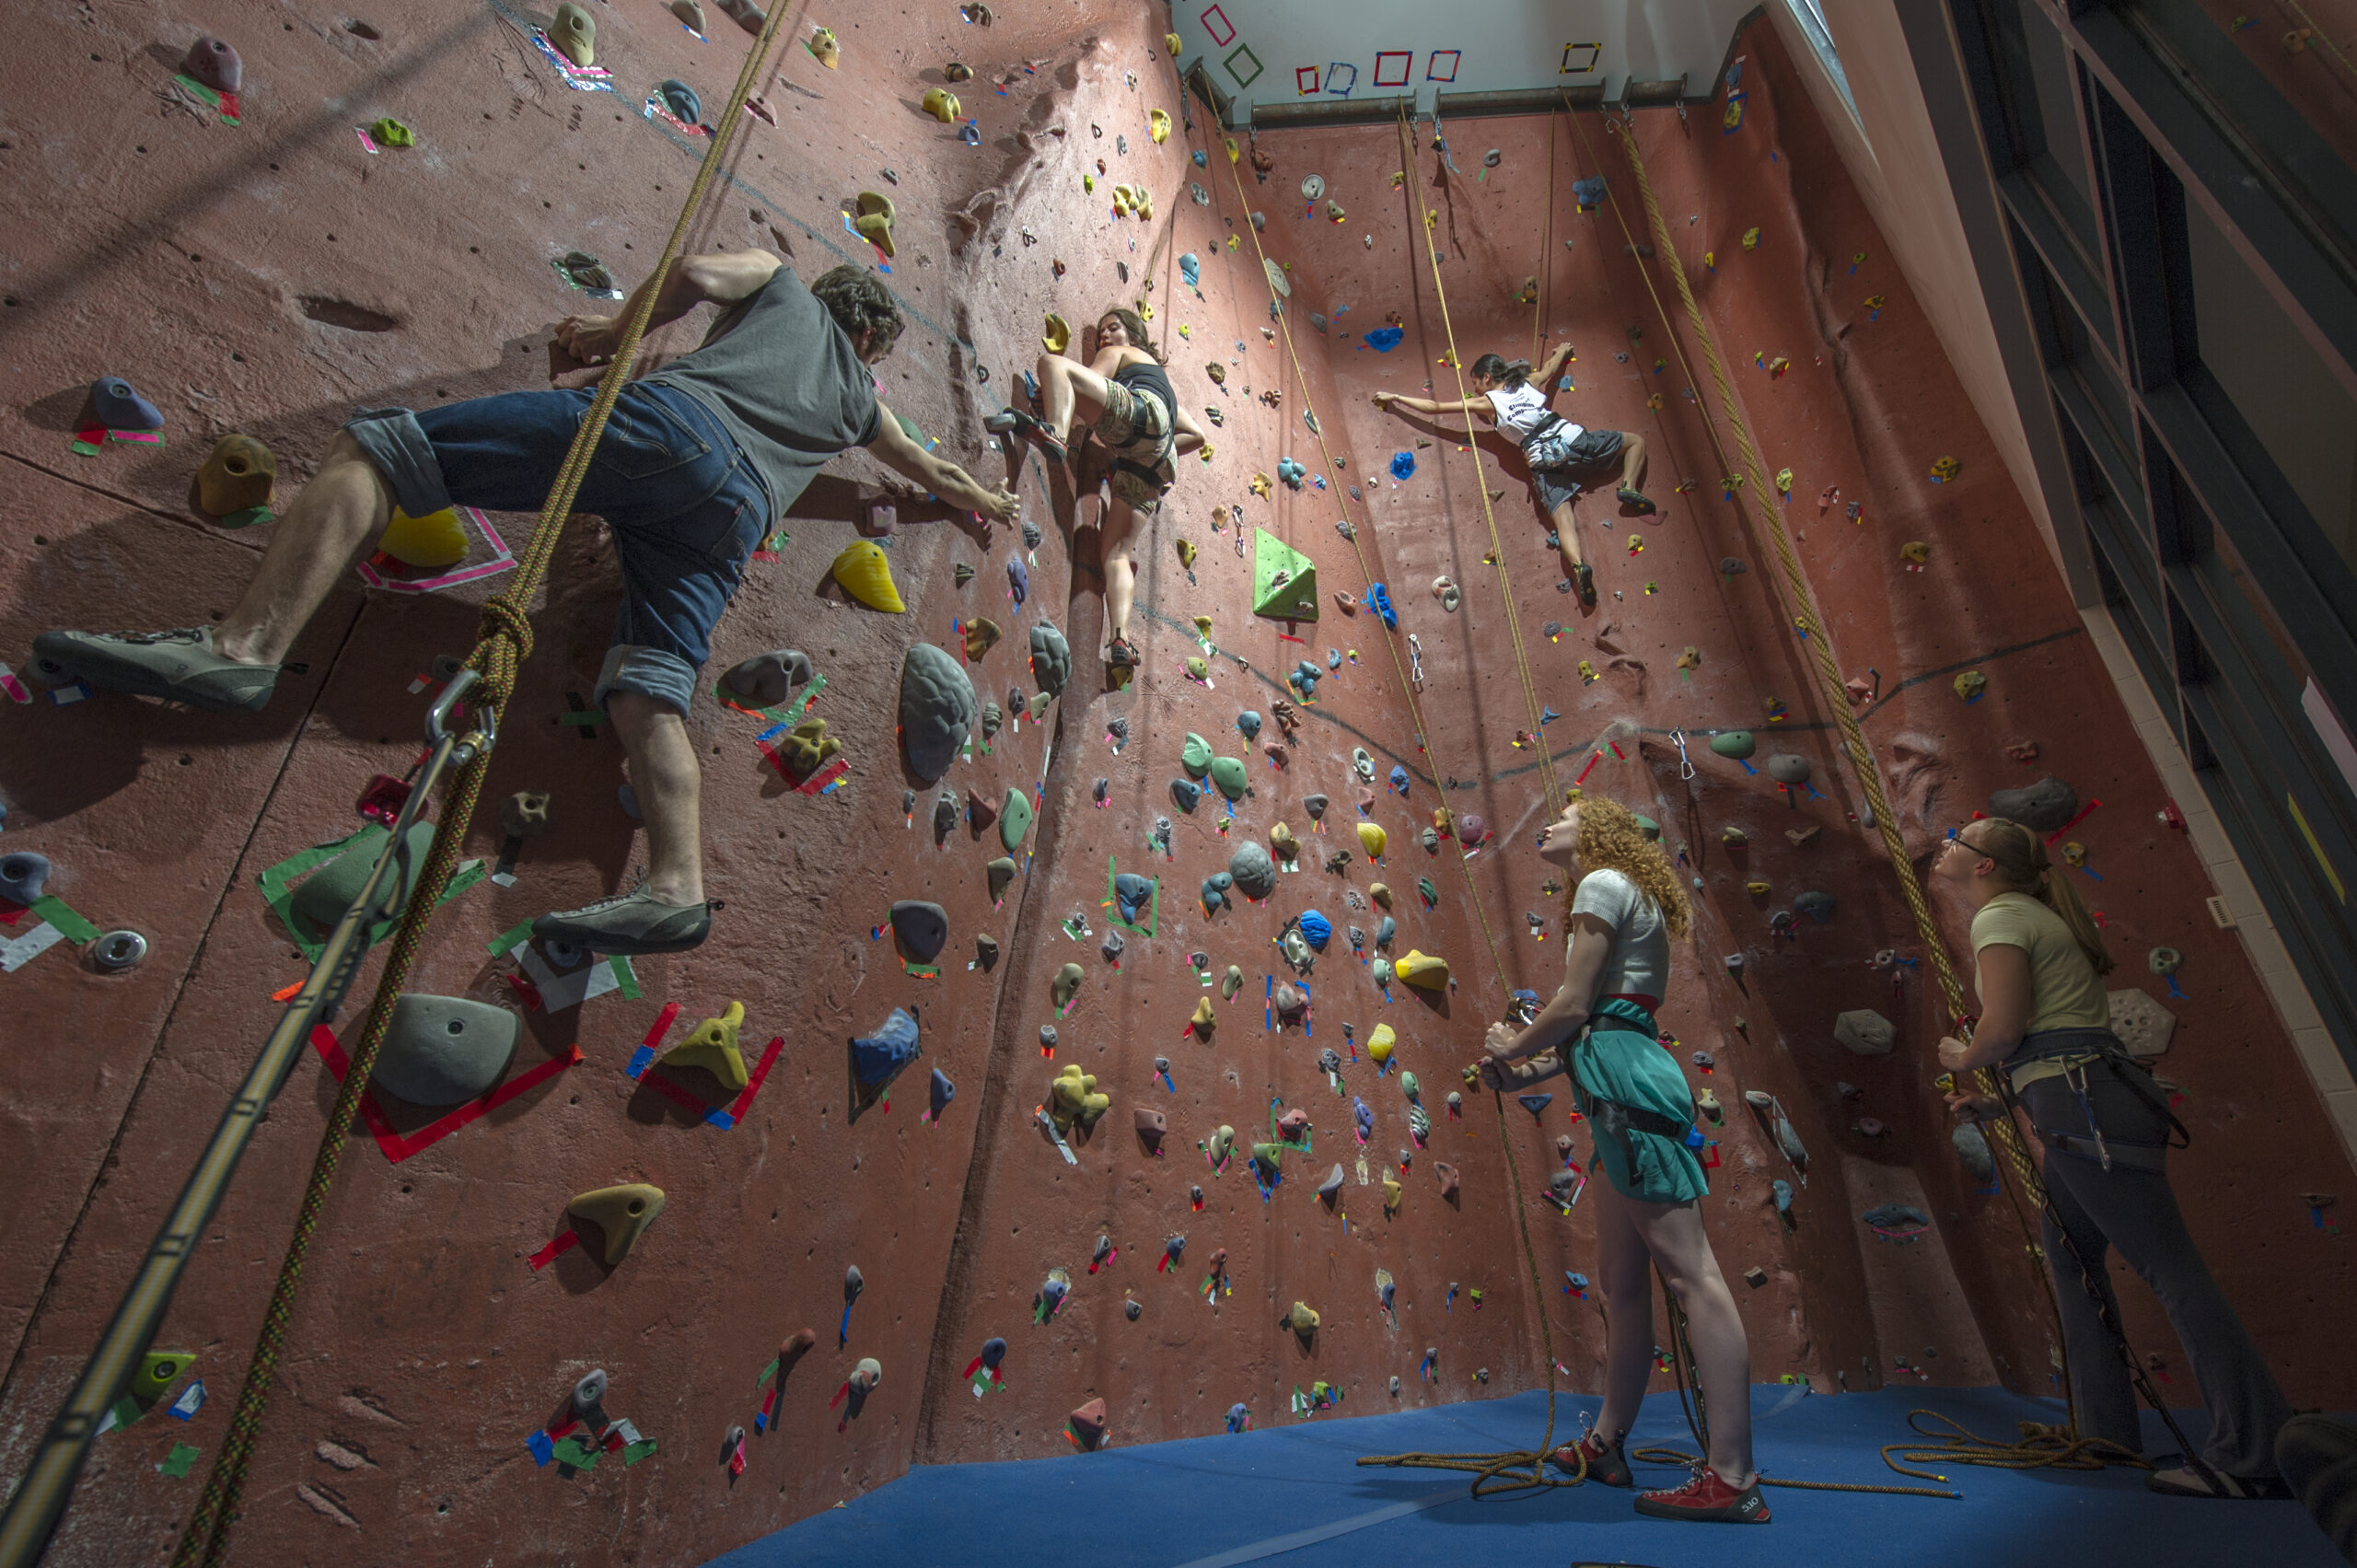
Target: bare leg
(1624, 1270)
(1567, 538)
(669, 784)
(346, 503)
(1632, 462)
(1674, 1234)
(1120, 575)
(1066, 386)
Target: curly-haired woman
(1556, 449)
(1625, 905)
(1125, 397)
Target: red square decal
(1215, 22)
(1391, 67)
(1306, 79)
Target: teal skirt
(1619, 1059)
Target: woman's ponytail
(2020, 855)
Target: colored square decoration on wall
(1307, 79)
(1442, 66)
(1392, 66)
(1336, 83)
(1215, 22)
(1249, 71)
(1579, 59)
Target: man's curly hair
(859, 303)
(1611, 839)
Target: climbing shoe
(1606, 1465)
(1634, 498)
(627, 923)
(1583, 578)
(179, 666)
(1015, 419)
(1120, 655)
(1706, 1499)
(2184, 1480)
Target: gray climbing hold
(2142, 1024)
(945, 815)
(1788, 767)
(770, 680)
(986, 952)
(1254, 872)
(1386, 931)
(921, 927)
(1032, 535)
(1736, 743)
(1865, 1032)
(1361, 764)
(326, 893)
(1333, 1182)
(940, 1093)
(1972, 1147)
(937, 708)
(1249, 722)
(1818, 906)
(1047, 1037)
(992, 716)
(1051, 659)
(1314, 805)
(1112, 946)
(23, 876)
(1186, 793)
(2043, 808)
(441, 1050)
(680, 99)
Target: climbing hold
(1315, 929)
(867, 1376)
(1915, 552)
(1430, 894)
(1431, 839)
(436, 540)
(1231, 983)
(1013, 820)
(1380, 971)
(322, 896)
(680, 99)
(866, 576)
(1332, 1185)
(236, 477)
(1736, 743)
(1197, 670)
(1361, 764)
(1132, 892)
(437, 1051)
(2043, 808)
(1000, 872)
(1373, 840)
(942, 105)
(1424, 971)
(1195, 755)
(1229, 773)
(962, 572)
(1088, 1425)
(1291, 1005)
(1187, 552)
(1864, 1031)
(1471, 830)
(986, 952)
(919, 928)
(1254, 872)
(1301, 1319)
(1786, 767)
(691, 15)
(992, 716)
(1066, 984)
(2164, 961)
(24, 874)
(525, 814)
(807, 745)
(620, 1213)
(112, 404)
(1203, 1022)
(1039, 701)
(770, 680)
(937, 710)
(1214, 890)
(712, 1046)
(1381, 893)
(981, 636)
(1386, 931)
(1818, 906)
(1448, 593)
(940, 1093)
(892, 1047)
(1248, 723)
(1971, 684)
(1282, 840)
(1186, 793)
(214, 63)
(1379, 1044)
(574, 33)
(1050, 658)
(1073, 1098)
(1058, 335)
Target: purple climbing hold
(215, 65)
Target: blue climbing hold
(1535, 1103)
(1386, 931)
(1783, 1190)
(1383, 340)
(1403, 463)
(1018, 579)
(116, 406)
(1315, 929)
(993, 1351)
(1589, 192)
(1364, 1115)
(878, 1056)
(1132, 892)
(1333, 658)
(942, 1092)
(681, 101)
(1249, 722)
(1399, 779)
(1192, 269)
(1379, 599)
(1186, 793)
(1202, 162)
(1291, 473)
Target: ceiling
(1296, 53)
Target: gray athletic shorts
(1590, 449)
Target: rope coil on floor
(504, 643)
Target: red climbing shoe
(1015, 419)
(1606, 1465)
(1707, 1500)
(1120, 655)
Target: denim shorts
(685, 506)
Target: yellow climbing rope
(504, 643)
(1493, 1474)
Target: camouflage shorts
(1138, 427)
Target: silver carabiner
(1685, 763)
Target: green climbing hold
(1195, 756)
(1013, 820)
(1000, 872)
(1651, 829)
(389, 131)
(1431, 893)
(1734, 743)
(1229, 773)
(1285, 581)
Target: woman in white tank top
(1515, 400)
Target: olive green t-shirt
(2065, 993)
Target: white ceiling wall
(1399, 46)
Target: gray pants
(2136, 1211)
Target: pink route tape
(502, 559)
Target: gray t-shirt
(1639, 964)
(784, 380)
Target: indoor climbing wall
(1265, 1207)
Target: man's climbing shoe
(179, 666)
(1120, 655)
(627, 923)
(1634, 498)
(1606, 1465)
(2184, 1480)
(1584, 581)
(1707, 1500)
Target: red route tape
(397, 1147)
(553, 1250)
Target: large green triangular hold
(1285, 581)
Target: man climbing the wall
(1557, 450)
(694, 465)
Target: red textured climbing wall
(271, 276)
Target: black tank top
(1148, 377)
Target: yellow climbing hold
(942, 105)
(866, 576)
(1751, 239)
(1177, 46)
(1422, 970)
(1372, 839)
(1283, 844)
(1392, 1193)
(1261, 485)
(1058, 336)
(436, 540)
(1971, 684)
(1157, 123)
(1381, 894)
(1073, 1098)
(1203, 1023)
(873, 220)
(1915, 550)
(1203, 627)
(622, 1214)
(1379, 1044)
(824, 47)
(981, 636)
(712, 1047)
(1232, 156)
(1186, 553)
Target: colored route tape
(398, 1147)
